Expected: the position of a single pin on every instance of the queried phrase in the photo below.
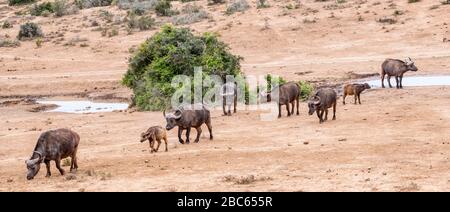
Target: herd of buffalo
(62, 143)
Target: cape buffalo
(356, 90)
(284, 95)
(53, 145)
(396, 68)
(153, 134)
(189, 116)
(323, 99)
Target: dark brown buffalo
(356, 90)
(154, 134)
(396, 68)
(53, 145)
(285, 94)
(323, 99)
(187, 117)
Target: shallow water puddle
(412, 81)
(84, 106)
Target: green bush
(306, 89)
(140, 22)
(29, 30)
(164, 8)
(39, 9)
(18, 2)
(273, 81)
(170, 52)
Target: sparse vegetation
(171, 52)
(237, 6)
(413, 1)
(39, 42)
(262, 4)
(19, 2)
(211, 2)
(244, 180)
(84, 4)
(29, 30)
(6, 25)
(4, 42)
(61, 8)
(140, 22)
(38, 9)
(388, 20)
(66, 162)
(191, 14)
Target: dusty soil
(397, 140)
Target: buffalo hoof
(196, 141)
(48, 175)
(210, 137)
(334, 118)
(187, 142)
(181, 141)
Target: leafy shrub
(19, 2)
(306, 89)
(164, 8)
(39, 9)
(29, 30)
(170, 52)
(237, 6)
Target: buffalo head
(172, 119)
(410, 65)
(313, 104)
(33, 166)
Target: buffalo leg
(321, 116)
(356, 97)
(159, 143)
(382, 79)
(298, 101)
(165, 141)
(188, 132)
(151, 144)
(389, 80)
(180, 131)
(199, 132)
(208, 124)
(293, 107)
(401, 81)
(223, 106)
(75, 160)
(287, 108)
(235, 103)
(58, 166)
(359, 98)
(229, 109)
(334, 110)
(47, 165)
(279, 111)
(343, 101)
(326, 114)
(318, 116)
(397, 84)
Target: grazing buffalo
(229, 94)
(323, 99)
(284, 94)
(396, 68)
(356, 90)
(153, 134)
(189, 116)
(53, 145)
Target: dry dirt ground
(398, 140)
